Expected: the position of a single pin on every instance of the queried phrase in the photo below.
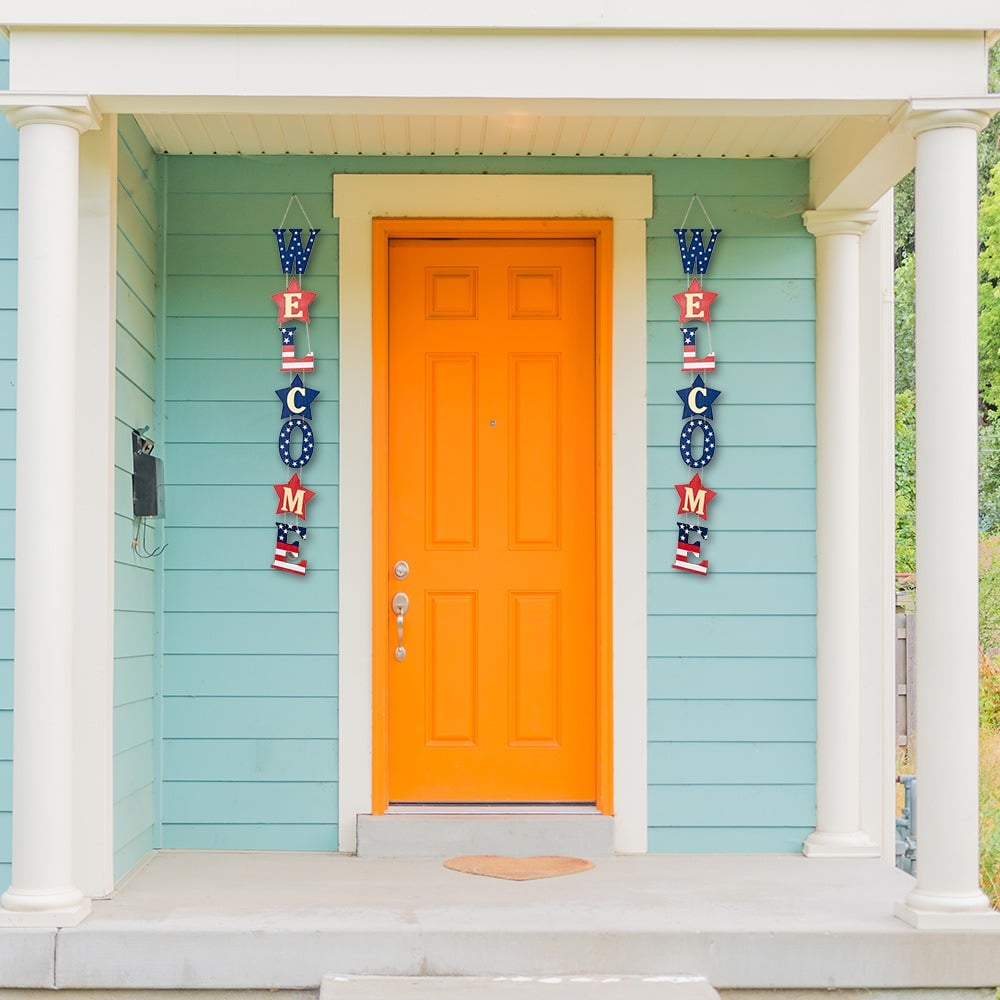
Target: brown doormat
(519, 869)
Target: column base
(942, 912)
(840, 845)
(20, 908)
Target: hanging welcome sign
(296, 439)
(697, 441)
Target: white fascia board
(593, 15)
(857, 163)
(990, 103)
(509, 67)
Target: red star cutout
(695, 497)
(293, 497)
(694, 303)
(293, 303)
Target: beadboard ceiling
(486, 135)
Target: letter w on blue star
(294, 257)
(695, 256)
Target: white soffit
(485, 135)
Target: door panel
(492, 502)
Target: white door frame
(628, 201)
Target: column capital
(919, 120)
(74, 110)
(838, 222)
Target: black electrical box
(147, 479)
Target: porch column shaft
(43, 590)
(947, 519)
(838, 524)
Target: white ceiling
(487, 135)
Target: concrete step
(520, 835)
(679, 987)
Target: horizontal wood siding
(250, 672)
(250, 654)
(8, 361)
(732, 682)
(136, 579)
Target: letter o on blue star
(707, 443)
(285, 443)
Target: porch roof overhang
(603, 83)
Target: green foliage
(989, 815)
(906, 492)
(903, 219)
(989, 296)
(989, 694)
(989, 478)
(905, 311)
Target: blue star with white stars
(698, 399)
(296, 399)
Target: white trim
(627, 200)
(93, 511)
(878, 632)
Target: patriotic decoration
(293, 303)
(293, 497)
(285, 443)
(691, 362)
(695, 256)
(694, 303)
(294, 257)
(289, 362)
(686, 549)
(296, 398)
(284, 550)
(694, 496)
(697, 399)
(687, 446)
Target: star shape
(296, 399)
(293, 497)
(694, 303)
(695, 497)
(698, 399)
(293, 303)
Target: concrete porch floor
(203, 920)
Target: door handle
(400, 605)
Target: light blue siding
(137, 581)
(731, 668)
(732, 656)
(250, 654)
(248, 681)
(8, 358)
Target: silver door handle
(400, 605)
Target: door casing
(384, 230)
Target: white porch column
(838, 524)
(43, 887)
(947, 893)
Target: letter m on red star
(293, 497)
(695, 497)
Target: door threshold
(519, 829)
(492, 809)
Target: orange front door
(492, 503)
